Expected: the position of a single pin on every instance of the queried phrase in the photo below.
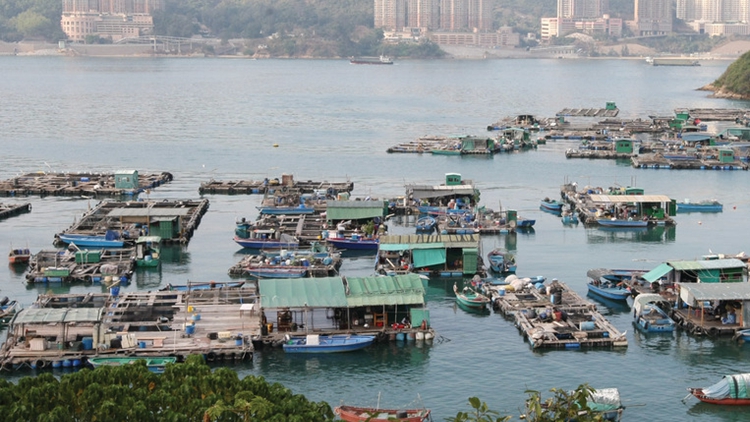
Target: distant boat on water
(371, 60)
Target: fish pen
(105, 266)
(174, 221)
(272, 186)
(560, 319)
(88, 184)
(11, 210)
(66, 330)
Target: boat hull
(371, 414)
(613, 293)
(264, 243)
(270, 272)
(362, 244)
(622, 223)
(329, 344)
(91, 241)
(682, 207)
(698, 393)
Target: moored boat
(502, 261)
(375, 414)
(373, 60)
(314, 343)
(650, 315)
(267, 238)
(276, 271)
(608, 289)
(550, 205)
(470, 298)
(147, 251)
(355, 242)
(19, 256)
(8, 308)
(202, 286)
(111, 239)
(702, 206)
(426, 224)
(617, 222)
(732, 390)
(154, 364)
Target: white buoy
(420, 336)
(429, 336)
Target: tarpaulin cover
(325, 292)
(428, 257)
(657, 273)
(393, 290)
(730, 387)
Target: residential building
(580, 9)
(653, 17)
(115, 19)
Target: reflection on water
(609, 307)
(658, 234)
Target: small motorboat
(711, 205)
(315, 343)
(154, 364)
(551, 205)
(608, 289)
(375, 414)
(354, 242)
(19, 256)
(649, 313)
(470, 298)
(111, 239)
(426, 224)
(502, 261)
(732, 390)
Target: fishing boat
(8, 308)
(650, 315)
(267, 238)
(300, 210)
(276, 271)
(355, 242)
(569, 218)
(731, 390)
(154, 364)
(19, 256)
(608, 289)
(470, 298)
(111, 239)
(551, 205)
(502, 261)
(622, 223)
(202, 286)
(315, 343)
(147, 251)
(743, 335)
(426, 224)
(702, 206)
(525, 223)
(373, 60)
(606, 403)
(375, 414)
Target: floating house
(435, 255)
(436, 198)
(701, 308)
(728, 270)
(655, 209)
(334, 305)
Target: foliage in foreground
(184, 392)
(562, 406)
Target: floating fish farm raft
(65, 330)
(92, 185)
(94, 266)
(174, 221)
(11, 210)
(569, 322)
(270, 186)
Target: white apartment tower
(446, 15)
(653, 17)
(580, 9)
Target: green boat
(147, 251)
(154, 364)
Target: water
(201, 119)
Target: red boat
(373, 414)
(19, 256)
(732, 390)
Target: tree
(480, 413)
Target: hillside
(735, 82)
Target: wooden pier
(714, 114)
(659, 161)
(65, 330)
(311, 265)
(271, 186)
(174, 221)
(11, 210)
(97, 266)
(91, 185)
(569, 323)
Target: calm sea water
(201, 119)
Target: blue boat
(355, 242)
(525, 223)
(286, 210)
(650, 313)
(620, 223)
(426, 224)
(202, 286)
(608, 289)
(702, 206)
(550, 205)
(111, 239)
(276, 271)
(502, 261)
(569, 219)
(314, 343)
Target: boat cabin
(657, 208)
(462, 191)
(727, 270)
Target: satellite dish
(512, 224)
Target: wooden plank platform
(90, 185)
(113, 265)
(11, 210)
(272, 186)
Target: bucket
(552, 298)
(588, 326)
(196, 317)
(114, 291)
(501, 292)
(189, 329)
(190, 309)
(141, 344)
(88, 343)
(238, 341)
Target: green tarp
(354, 210)
(326, 292)
(396, 290)
(657, 273)
(428, 257)
(471, 260)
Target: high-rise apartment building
(713, 10)
(445, 15)
(422, 14)
(653, 17)
(580, 9)
(111, 18)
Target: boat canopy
(148, 239)
(730, 387)
(707, 264)
(604, 399)
(340, 292)
(658, 272)
(354, 210)
(644, 299)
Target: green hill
(735, 82)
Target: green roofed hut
(430, 255)
(703, 308)
(379, 305)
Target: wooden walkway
(262, 187)
(11, 210)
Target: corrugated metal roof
(448, 240)
(622, 199)
(708, 264)
(657, 273)
(148, 212)
(426, 191)
(699, 292)
(395, 290)
(354, 210)
(56, 315)
(325, 292)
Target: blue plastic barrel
(190, 329)
(88, 343)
